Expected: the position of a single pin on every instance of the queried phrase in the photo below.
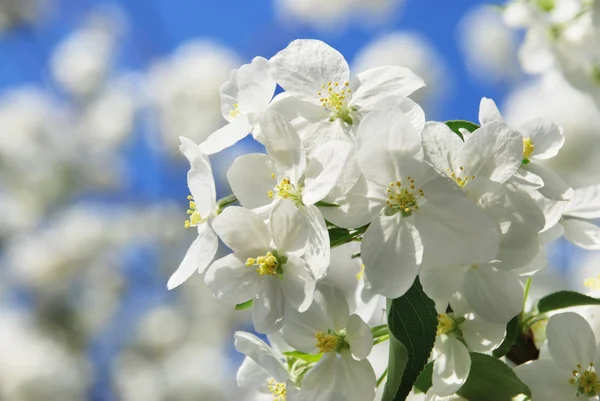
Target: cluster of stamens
(593, 282)
(334, 97)
(403, 199)
(286, 190)
(586, 381)
(461, 181)
(528, 148)
(233, 113)
(278, 390)
(195, 217)
(268, 265)
(330, 342)
(445, 324)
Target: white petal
(231, 281)
(241, 230)
(526, 180)
(320, 381)
(554, 188)
(197, 258)
(494, 151)
(451, 366)
(585, 203)
(256, 349)
(268, 306)
(356, 380)
(305, 65)
(202, 186)
(482, 336)
(411, 109)
(382, 136)
(250, 178)
(571, 341)
(582, 233)
(227, 136)
(380, 82)
(251, 376)
(392, 252)
(283, 144)
(536, 54)
(297, 284)
(360, 338)
(299, 112)
(317, 254)
(255, 86)
(495, 295)
(552, 234)
(440, 145)
(288, 227)
(455, 231)
(229, 95)
(191, 150)
(488, 111)
(319, 133)
(357, 208)
(441, 282)
(547, 381)
(547, 138)
(324, 170)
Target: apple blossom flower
(203, 208)
(423, 217)
(266, 264)
(244, 97)
(344, 340)
(570, 374)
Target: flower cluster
(563, 36)
(462, 210)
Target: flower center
(528, 148)
(403, 199)
(269, 264)
(593, 283)
(286, 190)
(277, 389)
(334, 98)
(195, 217)
(445, 324)
(331, 342)
(461, 181)
(233, 113)
(586, 381)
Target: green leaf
(305, 357)
(455, 126)
(491, 380)
(512, 329)
(244, 305)
(424, 381)
(337, 235)
(412, 320)
(565, 299)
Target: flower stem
(382, 377)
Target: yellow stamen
(586, 381)
(268, 265)
(403, 199)
(593, 282)
(361, 273)
(336, 101)
(329, 342)
(286, 190)
(233, 113)
(195, 217)
(528, 148)
(278, 390)
(445, 324)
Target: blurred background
(93, 97)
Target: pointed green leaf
(455, 126)
(512, 329)
(490, 379)
(565, 299)
(412, 320)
